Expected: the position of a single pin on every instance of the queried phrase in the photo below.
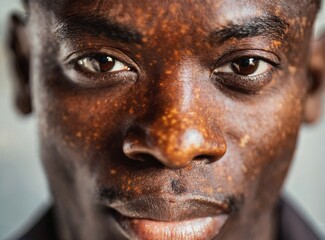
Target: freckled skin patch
(167, 127)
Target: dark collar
(44, 229)
(291, 225)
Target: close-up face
(169, 119)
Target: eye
(246, 66)
(246, 74)
(100, 68)
(101, 63)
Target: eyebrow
(77, 25)
(266, 25)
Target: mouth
(171, 217)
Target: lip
(170, 208)
(166, 216)
(194, 229)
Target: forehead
(147, 10)
(171, 19)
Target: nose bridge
(174, 93)
(179, 121)
(177, 129)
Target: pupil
(104, 59)
(245, 66)
(103, 63)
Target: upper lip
(168, 207)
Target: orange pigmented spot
(131, 111)
(276, 43)
(244, 140)
(209, 190)
(229, 178)
(244, 168)
(137, 190)
(292, 69)
(188, 52)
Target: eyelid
(263, 55)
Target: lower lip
(198, 229)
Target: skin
(174, 124)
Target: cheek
(262, 141)
(78, 126)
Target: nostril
(145, 159)
(205, 158)
(138, 156)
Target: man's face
(168, 119)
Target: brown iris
(245, 66)
(102, 63)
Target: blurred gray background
(23, 189)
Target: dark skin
(156, 118)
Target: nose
(175, 147)
(177, 128)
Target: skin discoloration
(169, 111)
(244, 140)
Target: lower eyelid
(245, 83)
(91, 80)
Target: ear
(313, 107)
(19, 49)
